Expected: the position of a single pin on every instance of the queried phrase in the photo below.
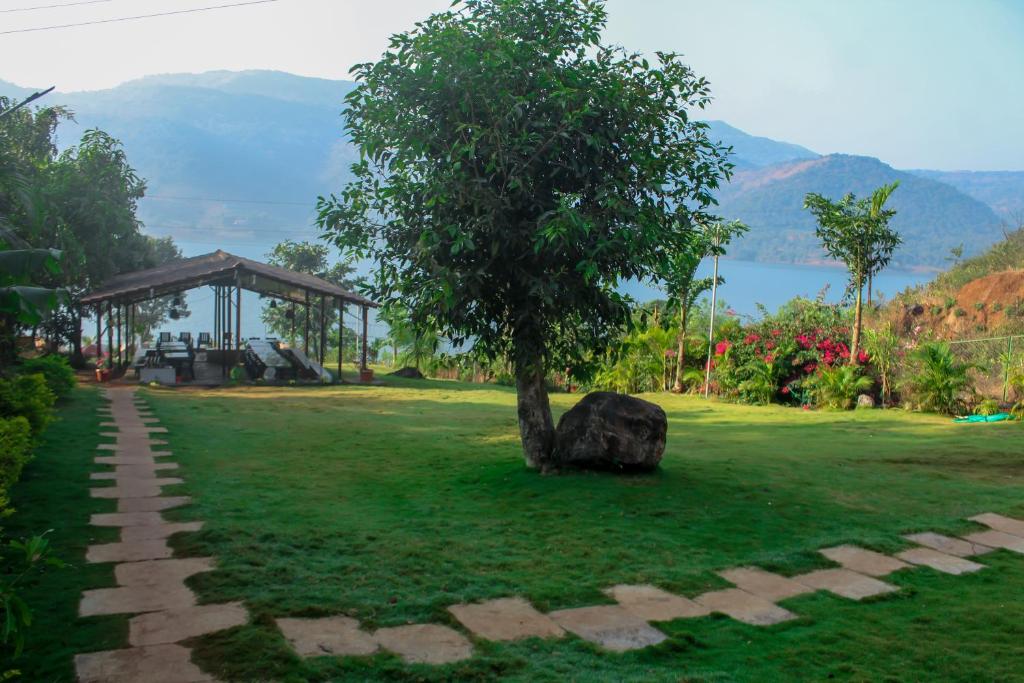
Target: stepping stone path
(626, 625)
(150, 582)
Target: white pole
(711, 331)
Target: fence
(998, 359)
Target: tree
(513, 171)
(857, 233)
(682, 283)
(288, 321)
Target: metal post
(120, 356)
(1006, 369)
(366, 324)
(323, 329)
(216, 315)
(341, 335)
(305, 336)
(99, 334)
(110, 332)
(711, 331)
(238, 318)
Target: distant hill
(236, 160)
(750, 151)
(933, 217)
(1002, 190)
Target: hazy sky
(918, 83)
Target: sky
(916, 83)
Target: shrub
(980, 306)
(941, 380)
(762, 384)
(838, 387)
(960, 313)
(989, 406)
(27, 396)
(936, 311)
(950, 302)
(60, 378)
(997, 307)
(15, 450)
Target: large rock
(611, 431)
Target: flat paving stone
(948, 564)
(156, 549)
(134, 473)
(134, 599)
(154, 664)
(154, 504)
(126, 519)
(948, 545)
(337, 636)
(135, 488)
(997, 539)
(132, 534)
(175, 625)
(133, 460)
(506, 619)
(610, 626)
(767, 585)
(863, 561)
(425, 643)
(161, 572)
(746, 607)
(653, 604)
(1007, 525)
(846, 583)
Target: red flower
(863, 357)
(751, 338)
(770, 345)
(721, 347)
(776, 332)
(785, 391)
(769, 358)
(810, 367)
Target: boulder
(865, 401)
(408, 373)
(611, 431)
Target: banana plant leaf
(27, 304)
(18, 266)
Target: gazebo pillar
(99, 334)
(341, 334)
(366, 325)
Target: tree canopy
(513, 171)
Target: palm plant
(762, 384)
(883, 346)
(941, 379)
(837, 387)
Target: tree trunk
(681, 352)
(77, 357)
(857, 314)
(536, 427)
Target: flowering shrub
(774, 359)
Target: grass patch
(391, 503)
(53, 494)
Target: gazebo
(228, 275)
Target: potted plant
(365, 375)
(102, 370)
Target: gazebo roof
(218, 268)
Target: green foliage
(762, 383)
(637, 363)
(989, 406)
(60, 377)
(27, 396)
(287, 320)
(940, 381)
(29, 557)
(1005, 255)
(885, 349)
(513, 172)
(15, 450)
(837, 387)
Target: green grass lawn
(391, 503)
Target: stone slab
(1007, 525)
(863, 561)
(134, 534)
(746, 607)
(134, 491)
(155, 664)
(949, 564)
(846, 583)
(126, 519)
(156, 549)
(425, 643)
(997, 539)
(122, 459)
(135, 599)
(610, 626)
(154, 504)
(175, 625)
(653, 604)
(767, 585)
(948, 545)
(130, 473)
(161, 572)
(505, 619)
(335, 636)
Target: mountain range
(237, 159)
